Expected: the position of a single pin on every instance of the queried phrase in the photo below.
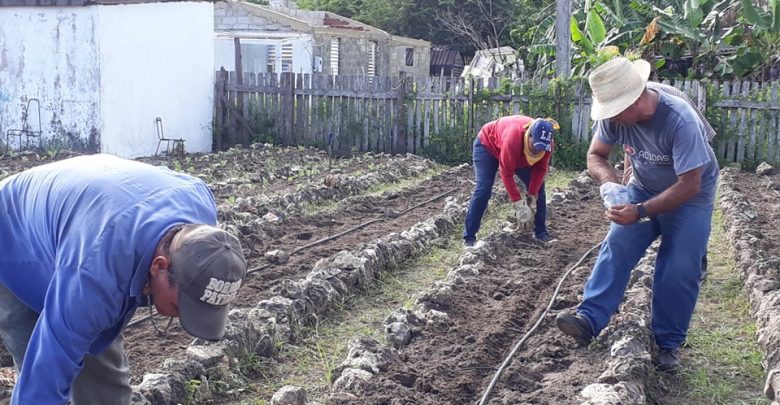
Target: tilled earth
(293, 233)
(441, 365)
(275, 171)
(765, 200)
(454, 365)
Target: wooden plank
(754, 118)
(221, 106)
(773, 148)
(418, 120)
(299, 133)
(306, 116)
(731, 145)
(723, 91)
(744, 115)
(426, 114)
(410, 135)
(245, 98)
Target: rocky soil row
(257, 331)
(751, 208)
(446, 348)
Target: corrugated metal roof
(64, 3)
(446, 61)
(444, 55)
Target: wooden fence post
(242, 135)
(400, 114)
(221, 104)
(288, 106)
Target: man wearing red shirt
(517, 145)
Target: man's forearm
(600, 169)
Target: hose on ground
(356, 228)
(508, 358)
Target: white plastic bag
(614, 194)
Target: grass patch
(559, 178)
(722, 364)
(382, 188)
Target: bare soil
(291, 233)
(457, 364)
(766, 203)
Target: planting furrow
(267, 169)
(751, 209)
(286, 237)
(250, 211)
(458, 331)
(257, 329)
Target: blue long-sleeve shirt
(77, 238)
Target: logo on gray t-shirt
(671, 143)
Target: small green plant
(231, 200)
(191, 390)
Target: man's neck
(649, 105)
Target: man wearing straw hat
(671, 195)
(519, 145)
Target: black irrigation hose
(356, 228)
(323, 240)
(508, 358)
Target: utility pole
(563, 38)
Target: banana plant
(693, 27)
(763, 51)
(591, 36)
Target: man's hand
(623, 214)
(523, 214)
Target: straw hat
(616, 85)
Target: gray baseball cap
(209, 267)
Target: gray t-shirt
(671, 143)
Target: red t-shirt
(504, 138)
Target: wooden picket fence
(399, 114)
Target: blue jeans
(684, 233)
(485, 168)
(105, 377)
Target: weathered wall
(235, 17)
(422, 60)
(156, 59)
(50, 54)
(354, 56)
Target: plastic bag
(614, 194)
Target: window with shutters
(372, 58)
(287, 58)
(409, 56)
(334, 55)
(271, 59)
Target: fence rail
(441, 115)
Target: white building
(102, 70)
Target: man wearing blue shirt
(83, 243)
(671, 194)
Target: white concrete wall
(50, 54)
(156, 59)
